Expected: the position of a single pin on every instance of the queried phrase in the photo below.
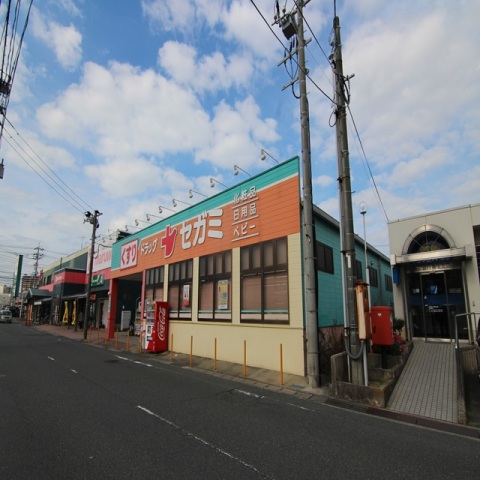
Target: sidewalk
(262, 378)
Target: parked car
(5, 315)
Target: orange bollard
(281, 364)
(215, 355)
(244, 358)
(191, 349)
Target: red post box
(156, 334)
(382, 325)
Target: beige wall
(262, 341)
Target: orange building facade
(230, 268)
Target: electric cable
(53, 188)
(285, 48)
(84, 205)
(368, 165)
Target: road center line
(51, 358)
(205, 442)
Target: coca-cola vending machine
(156, 332)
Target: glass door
(434, 299)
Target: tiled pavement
(427, 386)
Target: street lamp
(91, 218)
(237, 169)
(363, 211)
(263, 155)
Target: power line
(44, 163)
(81, 210)
(368, 164)
(304, 70)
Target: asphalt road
(71, 410)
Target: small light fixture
(149, 215)
(213, 181)
(161, 207)
(191, 192)
(237, 169)
(263, 155)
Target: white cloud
(236, 135)
(208, 73)
(323, 181)
(65, 41)
(121, 110)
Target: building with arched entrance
(435, 262)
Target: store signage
(129, 254)
(259, 209)
(97, 280)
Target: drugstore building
(230, 269)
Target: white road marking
(51, 358)
(72, 370)
(134, 361)
(201, 440)
(249, 394)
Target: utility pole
(93, 219)
(287, 23)
(36, 256)
(354, 348)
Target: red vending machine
(156, 333)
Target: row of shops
(230, 270)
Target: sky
(123, 105)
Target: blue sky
(134, 102)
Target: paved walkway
(427, 386)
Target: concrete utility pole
(287, 23)
(93, 219)
(36, 256)
(346, 213)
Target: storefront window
(180, 290)
(215, 287)
(264, 282)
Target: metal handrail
(473, 329)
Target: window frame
(261, 271)
(215, 268)
(324, 259)
(180, 277)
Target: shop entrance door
(434, 300)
